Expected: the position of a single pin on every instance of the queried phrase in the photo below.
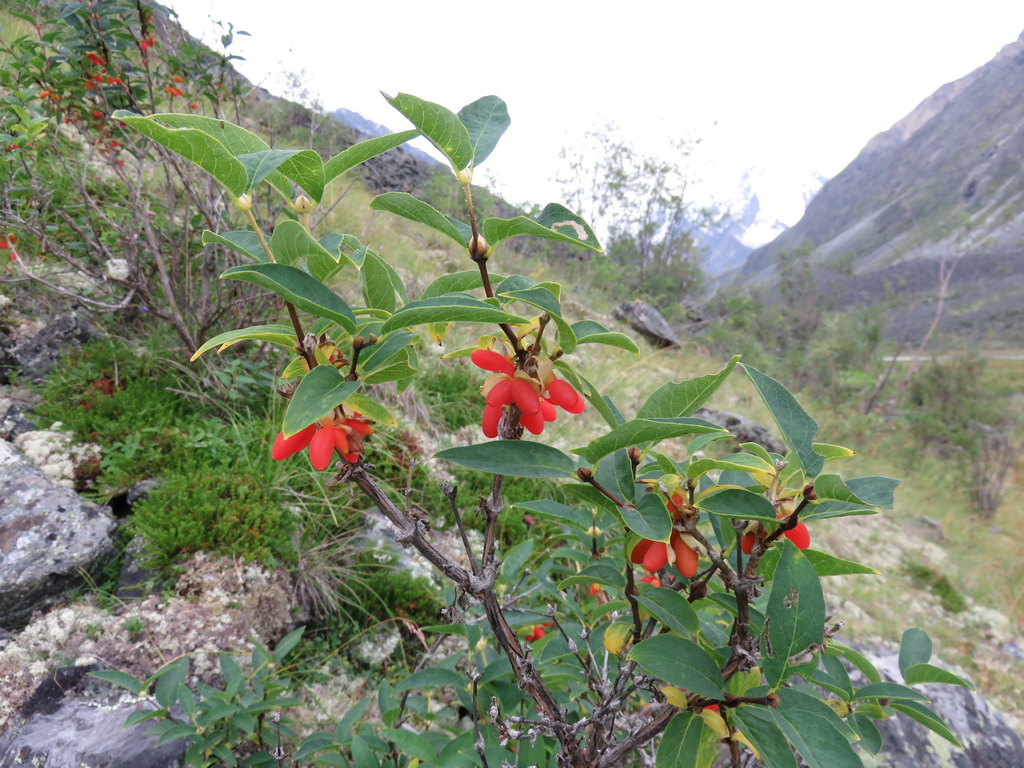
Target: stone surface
(79, 733)
(32, 355)
(989, 741)
(49, 537)
(744, 430)
(646, 320)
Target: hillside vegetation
(97, 218)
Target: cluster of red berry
(535, 395)
(7, 243)
(323, 437)
(536, 631)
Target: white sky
(788, 87)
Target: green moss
(232, 512)
(928, 578)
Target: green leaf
(876, 490)
(640, 431)
(456, 282)
(856, 658)
(371, 409)
(408, 207)
(281, 335)
(589, 332)
(380, 353)
(870, 738)
(259, 165)
(671, 608)
(738, 503)
(797, 427)
(321, 390)
(451, 307)
(687, 743)
(410, 744)
(681, 663)
(599, 573)
(915, 648)
(439, 125)
(397, 368)
(649, 518)
(292, 242)
(916, 674)
(287, 643)
(170, 679)
(887, 690)
(363, 151)
(542, 298)
(362, 755)
(381, 286)
(486, 119)
(577, 517)
(515, 560)
(674, 400)
(796, 612)
(242, 241)
(760, 726)
(833, 452)
(298, 287)
(739, 462)
(515, 458)
(202, 149)
(122, 679)
(556, 222)
(820, 736)
(824, 564)
(434, 677)
(928, 718)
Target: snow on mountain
(762, 207)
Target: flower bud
(478, 247)
(303, 204)
(584, 474)
(465, 176)
(244, 202)
(593, 532)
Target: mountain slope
(947, 178)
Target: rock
(80, 733)
(646, 320)
(15, 421)
(34, 354)
(744, 430)
(49, 538)
(130, 584)
(989, 741)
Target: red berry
(747, 543)
(501, 393)
(561, 393)
(533, 422)
(656, 557)
(799, 536)
(640, 550)
(713, 708)
(547, 410)
(686, 557)
(340, 440)
(321, 447)
(651, 579)
(492, 415)
(285, 447)
(525, 396)
(490, 360)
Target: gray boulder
(49, 538)
(989, 741)
(84, 733)
(33, 355)
(647, 321)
